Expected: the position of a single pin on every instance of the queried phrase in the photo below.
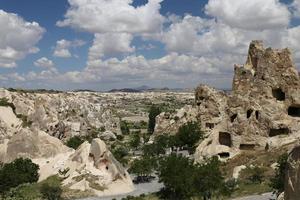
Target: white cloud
(253, 15)
(102, 16)
(17, 38)
(44, 62)
(296, 8)
(110, 44)
(62, 48)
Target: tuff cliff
(261, 112)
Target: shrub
(51, 188)
(74, 142)
(124, 128)
(4, 102)
(253, 174)
(277, 182)
(134, 140)
(18, 172)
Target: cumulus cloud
(254, 14)
(62, 48)
(110, 44)
(102, 16)
(17, 38)
(44, 62)
(296, 8)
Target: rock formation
(292, 176)
(261, 112)
(91, 167)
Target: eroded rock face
(91, 167)
(261, 112)
(292, 176)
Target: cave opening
(247, 146)
(233, 117)
(257, 114)
(225, 139)
(224, 155)
(294, 111)
(278, 131)
(278, 94)
(210, 125)
(249, 113)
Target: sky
(105, 44)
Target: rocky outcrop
(169, 123)
(292, 176)
(261, 112)
(92, 168)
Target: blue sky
(96, 44)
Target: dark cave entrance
(278, 131)
(294, 111)
(225, 139)
(278, 94)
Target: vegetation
(51, 188)
(135, 140)
(253, 174)
(4, 102)
(184, 180)
(16, 173)
(188, 135)
(120, 153)
(143, 168)
(124, 128)
(74, 142)
(277, 182)
(153, 112)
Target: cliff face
(262, 111)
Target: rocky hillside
(262, 112)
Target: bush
(51, 188)
(277, 182)
(253, 174)
(120, 153)
(124, 128)
(135, 140)
(74, 142)
(24, 192)
(18, 172)
(4, 102)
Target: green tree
(120, 154)
(153, 112)
(18, 172)
(277, 182)
(184, 180)
(143, 167)
(124, 128)
(74, 142)
(209, 180)
(135, 140)
(188, 135)
(176, 173)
